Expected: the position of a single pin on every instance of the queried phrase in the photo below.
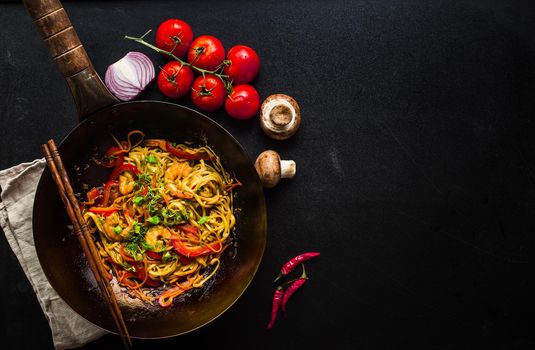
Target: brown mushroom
(280, 116)
(272, 169)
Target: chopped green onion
(155, 220)
(131, 248)
(167, 256)
(129, 268)
(146, 246)
(137, 227)
(151, 159)
(202, 220)
(137, 200)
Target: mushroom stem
(288, 169)
(271, 169)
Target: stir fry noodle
(164, 217)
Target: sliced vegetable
(179, 152)
(155, 220)
(126, 257)
(154, 255)
(107, 191)
(151, 159)
(121, 169)
(103, 210)
(183, 248)
(93, 194)
(137, 200)
(129, 76)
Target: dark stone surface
(415, 165)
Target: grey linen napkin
(19, 183)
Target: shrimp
(157, 237)
(111, 223)
(176, 172)
(126, 183)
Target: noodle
(164, 217)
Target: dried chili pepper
(277, 299)
(293, 262)
(293, 288)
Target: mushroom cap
(268, 167)
(280, 116)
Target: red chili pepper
(193, 251)
(184, 154)
(122, 168)
(293, 288)
(293, 262)
(277, 299)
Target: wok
(102, 116)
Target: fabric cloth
(19, 183)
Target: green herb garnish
(118, 229)
(151, 159)
(146, 246)
(155, 220)
(202, 220)
(166, 256)
(137, 200)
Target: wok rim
(262, 247)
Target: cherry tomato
(243, 64)
(174, 80)
(206, 52)
(208, 92)
(243, 102)
(174, 36)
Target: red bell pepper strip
(122, 168)
(184, 154)
(154, 255)
(113, 156)
(152, 283)
(107, 191)
(166, 298)
(188, 228)
(127, 257)
(93, 194)
(106, 211)
(193, 251)
(126, 279)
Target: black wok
(101, 117)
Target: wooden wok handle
(88, 90)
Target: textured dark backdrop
(416, 164)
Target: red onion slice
(129, 76)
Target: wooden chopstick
(66, 193)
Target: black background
(415, 165)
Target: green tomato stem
(141, 40)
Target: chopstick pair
(59, 174)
